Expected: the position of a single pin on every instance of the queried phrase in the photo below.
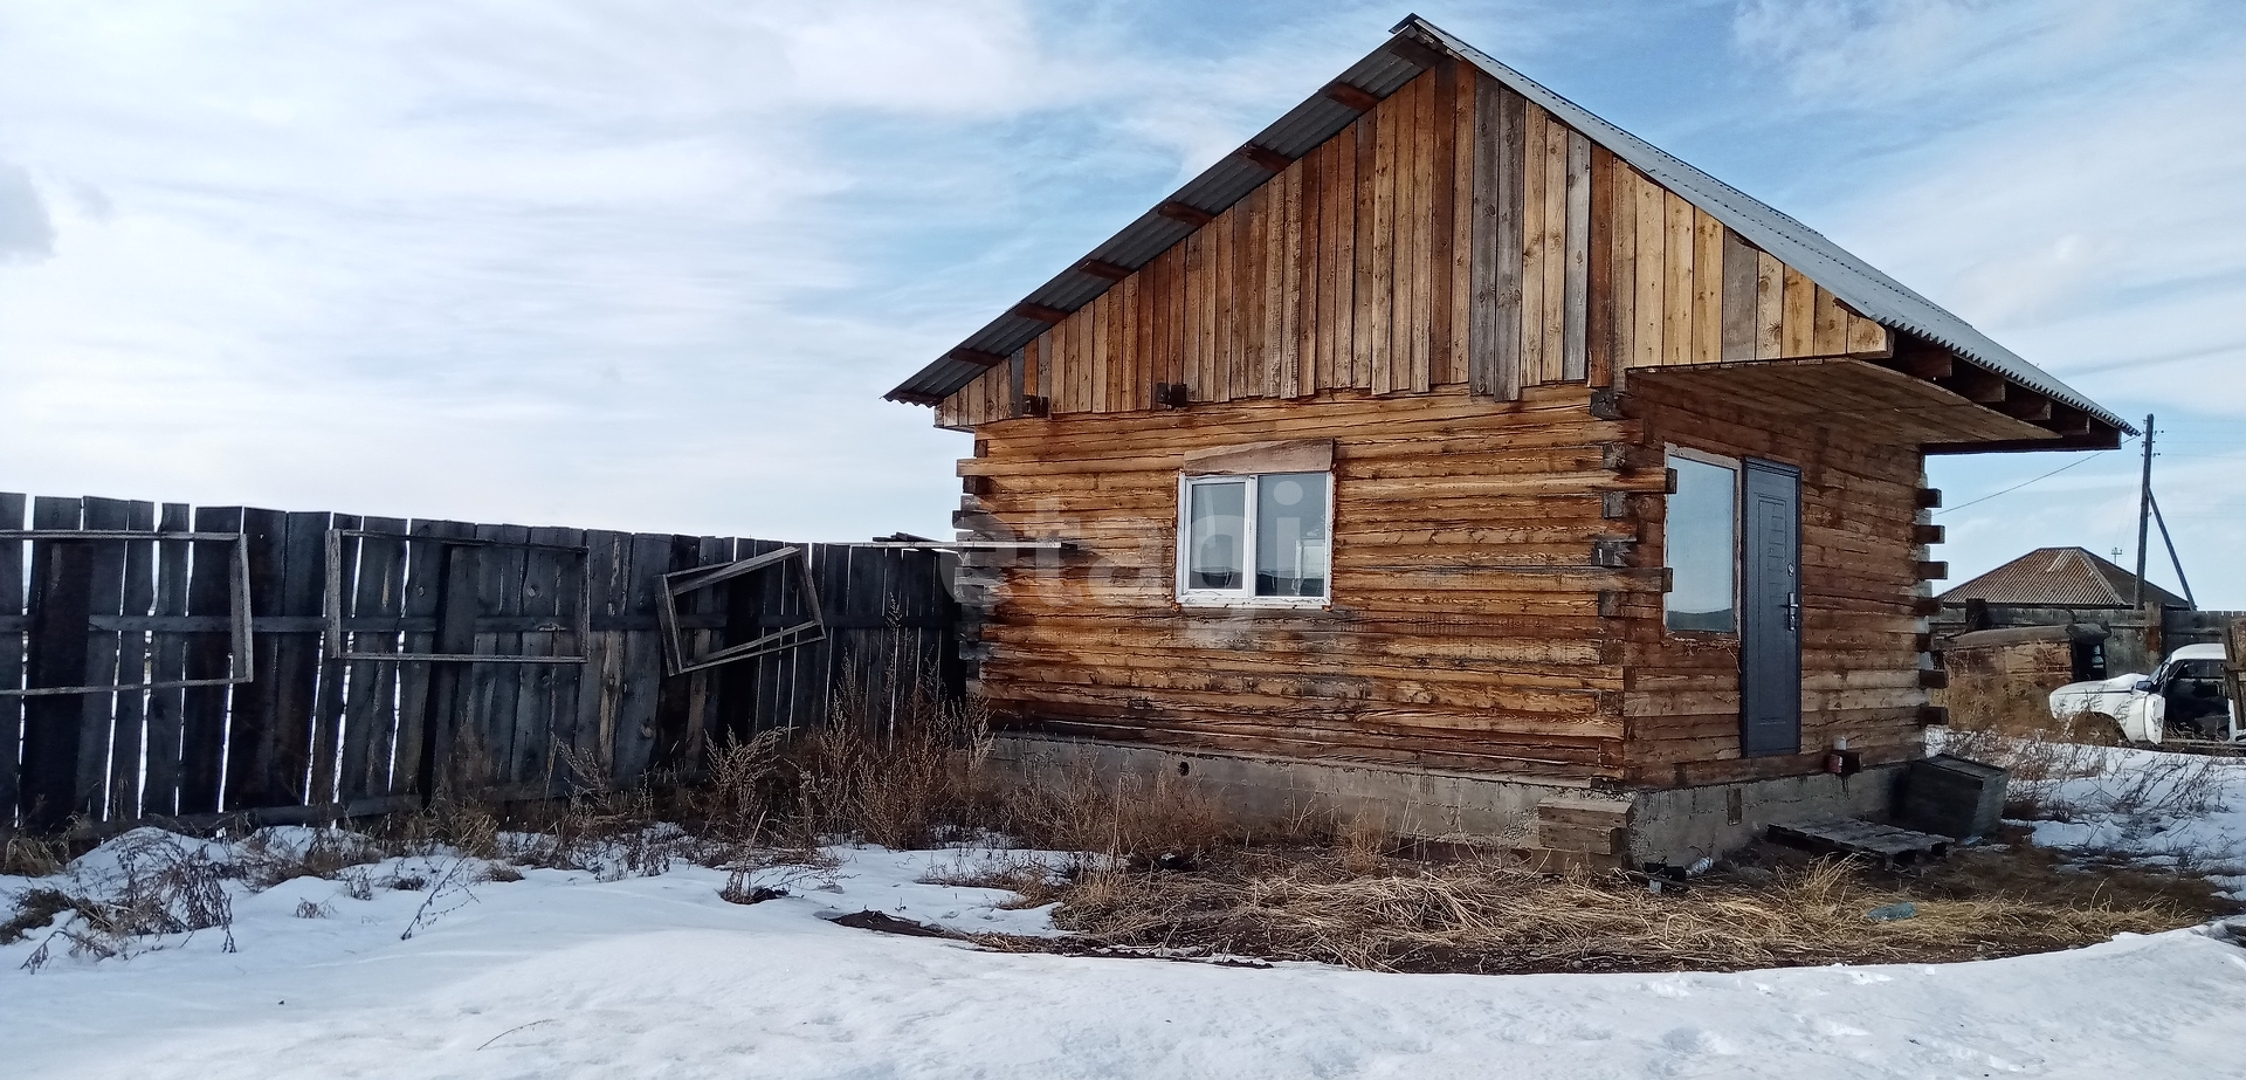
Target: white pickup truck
(2184, 697)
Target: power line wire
(2024, 483)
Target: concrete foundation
(1633, 827)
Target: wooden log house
(1448, 427)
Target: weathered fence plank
(203, 714)
(290, 728)
(55, 656)
(97, 710)
(255, 722)
(330, 677)
(11, 654)
(131, 706)
(374, 580)
(168, 663)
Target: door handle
(1793, 611)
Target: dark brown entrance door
(1770, 602)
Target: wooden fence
(177, 662)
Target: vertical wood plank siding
(1455, 234)
(313, 729)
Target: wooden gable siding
(1681, 289)
(1456, 233)
(1465, 627)
(1862, 635)
(1348, 270)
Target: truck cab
(2184, 697)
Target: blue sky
(650, 265)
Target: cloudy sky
(650, 265)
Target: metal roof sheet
(1382, 72)
(2059, 577)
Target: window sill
(1282, 602)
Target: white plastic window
(1262, 540)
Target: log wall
(1863, 635)
(1465, 628)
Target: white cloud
(595, 263)
(25, 231)
(1865, 53)
(2070, 191)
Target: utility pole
(2144, 514)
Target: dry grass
(2014, 708)
(2058, 779)
(163, 886)
(1139, 818)
(899, 767)
(33, 856)
(1335, 906)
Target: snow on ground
(2178, 811)
(582, 974)
(564, 974)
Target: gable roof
(2060, 577)
(1380, 74)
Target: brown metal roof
(2059, 577)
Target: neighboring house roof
(1380, 74)
(2060, 577)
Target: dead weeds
(1341, 905)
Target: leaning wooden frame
(675, 655)
(338, 631)
(241, 661)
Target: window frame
(1245, 595)
(1738, 469)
